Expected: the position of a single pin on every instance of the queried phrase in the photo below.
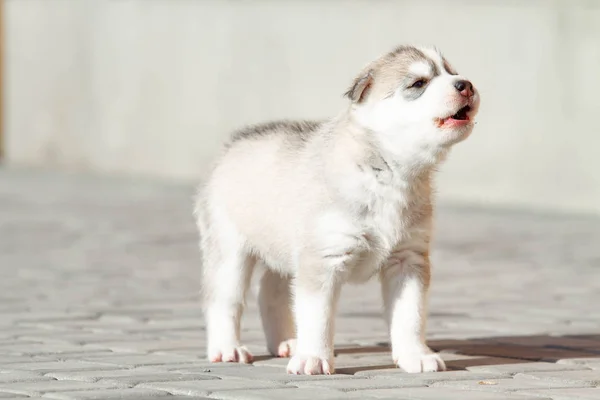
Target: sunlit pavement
(99, 300)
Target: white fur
(348, 204)
(405, 304)
(421, 68)
(315, 313)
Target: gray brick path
(98, 300)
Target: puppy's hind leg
(226, 276)
(274, 300)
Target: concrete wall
(152, 87)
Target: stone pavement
(98, 300)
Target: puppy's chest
(388, 214)
(386, 224)
(388, 205)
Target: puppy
(323, 203)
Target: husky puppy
(322, 203)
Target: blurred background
(151, 88)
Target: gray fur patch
(412, 93)
(434, 68)
(416, 55)
(300, 130)
(449, 68)
(381, 168)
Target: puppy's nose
(464, 87)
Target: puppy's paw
(308, 365)
(237, 354)
(287, 348)
(420, 362)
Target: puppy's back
(263, 158)
(259, 154)
(291, 132)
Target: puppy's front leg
(405, 283)
(315, 303)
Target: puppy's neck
(407, 162)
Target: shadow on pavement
(479, 352)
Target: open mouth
(460, 119)
(462, 114)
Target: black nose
(464, 86)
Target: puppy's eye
(419, 84)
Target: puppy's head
(412, 97)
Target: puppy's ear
(360, 87)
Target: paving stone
(565, 394)
(171, 397)
(91, 353)
(585, 361)
(550, 341)
(271, 362)
(51, 366)
(201, 366)
(525, 367)
(96, 375)
(427, 378)
(89, 324)
(200, 353)
(205, 388)
(43, 349)
(21, 376)
(352, 364)
(110, 394)
(193, 325)
(582, 378)
(150, 345)
(82, 338)
(23, 359)
(346, 385)
(520, 352)
(279, 394)
(594, 336)
(38, 388)
(594, 366)
(451, 343)
(36, 317)
(503, 385)
(437, 394)
(135, 380)
(136, 360)
(6, 345)
(481, 361)
(271, 374)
